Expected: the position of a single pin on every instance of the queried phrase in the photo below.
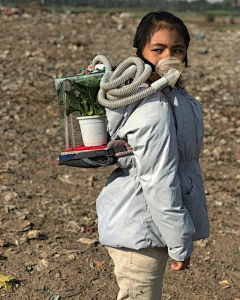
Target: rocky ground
(48, 224)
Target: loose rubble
(47, 214)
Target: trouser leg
(139, 273)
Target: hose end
(160, 84)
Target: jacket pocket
(191, 196)
(188, 187)
(191, 202)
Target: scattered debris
(5, 281)
(17, 225)
(8, 282)
(87, 241)
(202, 243)
(52, 209)
(225, 284)
(55, 297)
(42, 265)
(33, 234)
(98, 266)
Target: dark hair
(152, 23)
(155, 21)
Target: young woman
(153, 206)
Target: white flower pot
(94, 130)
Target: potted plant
(79, 93)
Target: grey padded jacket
(156, 196)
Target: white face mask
(165, 65)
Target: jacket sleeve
(151, 131)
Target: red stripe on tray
(82, 147)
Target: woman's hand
(181, 265)
(115, 143)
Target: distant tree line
(176, 5)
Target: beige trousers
(139, 273)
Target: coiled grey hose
(114, 93)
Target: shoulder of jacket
(186, 95)
(149, 110)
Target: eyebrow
(165, 46)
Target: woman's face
(165, 43)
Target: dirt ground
(47, 210)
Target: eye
(178, 51)
(158, 50)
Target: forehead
(167, 36)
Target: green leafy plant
(80, 94)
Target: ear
(135, 54)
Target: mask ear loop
(186, 61)
(146, 61)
